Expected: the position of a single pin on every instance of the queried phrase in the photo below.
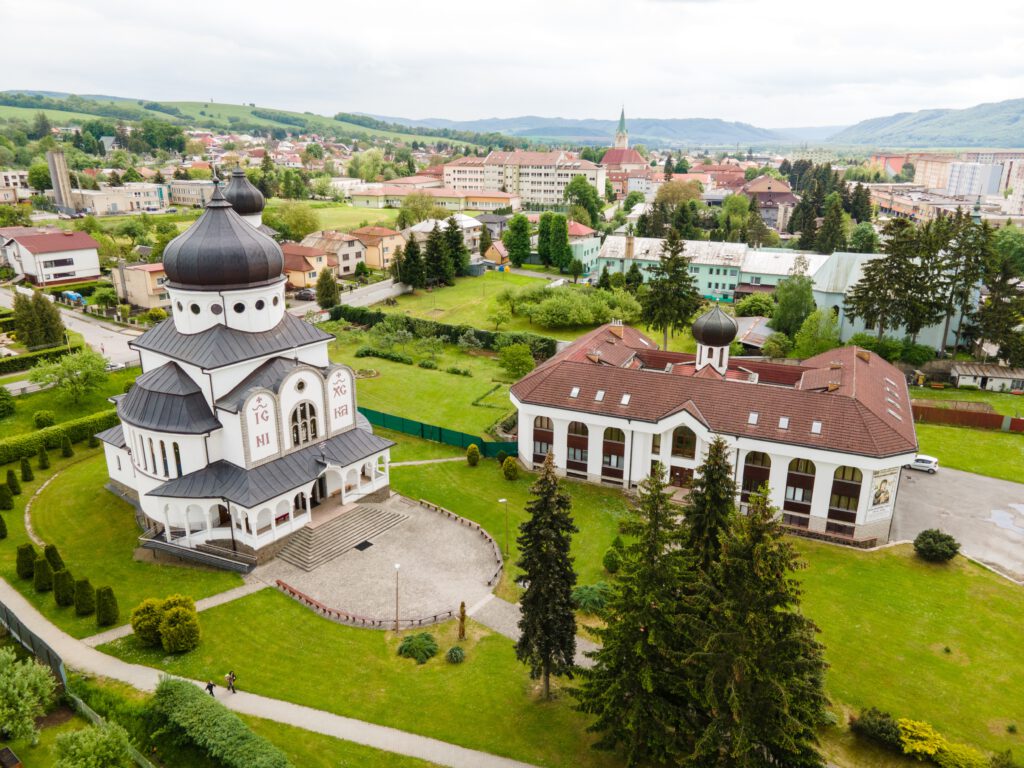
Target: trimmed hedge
(3, 527)
(935, 546)
(145, 621)
(29, 359)
(86, 287)
(542, 347)
(26, 470)
(12, 483)
(25, 446)
(107, 612)
(26, 562)
(209, 725)
(64, 588)
(52, 554)
(85, 598)
(384, 354)
(42, 575)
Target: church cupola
(245, 198)
(714, 331)
(223, 271)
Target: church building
(829, 435)
(240, 430)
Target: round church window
(300, 385)
(194, 308)
(180, 307)
(239, 307)
(276, 301)
(260, 304)
(216, 309)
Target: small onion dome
(714, 328)
(222, 251)
(242, 195)
(166, 399)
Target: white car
(924, 463)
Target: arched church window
(304, 427)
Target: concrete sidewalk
(503, 617)
(80, 656)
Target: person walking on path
(209, 687)
(230, 677)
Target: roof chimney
(835, 365)
(616, 328)
(864, 355)
(594, 356)
(629, 246)
(833, 386)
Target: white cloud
(791, 62)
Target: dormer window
(625, 399)
(599, 396)
(752, 418)
(815, 427)
(575, 392)
(783, 422)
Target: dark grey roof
(219, 346)
(242, 195)
(492, 218)
(269, 375)
(714, 328)
(168, 400)
(249, 488)
(114, 436)
(222, 251)
(268, 231)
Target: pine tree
(860, 204)
(634, 278)
(437, 264)
(47, 316)
(458, 253)
(832, 235)
(26, 471)
(876, 297)
(44, 457)
(761, 671)
(412, 265)
(517, 240)
(544, 238)
(671, 296)
(669, 167)
(327, 294)
(637, 688)
(604, 282)
(485, 240)
(711, 503)
(808, 235)
(561, 252)
(547, 643)
(757, 230)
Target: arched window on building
(177, 458)
(163, 458)
(152, 456)
(304, 428)
(543, 436)
(844, 500)
(799, 487)
(614, 449)
(684, 443)
(576, 451)
(756, 467)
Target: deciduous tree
(517, 239)
(327, 294)
(75, 375)
(794, 299)
(26, 692)
(818, 333)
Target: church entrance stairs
(336, 531)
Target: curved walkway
(78, 655)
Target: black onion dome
(222, 251)
(242, 195)
(714, 328)
(166, 399)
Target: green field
(982, 451)
(63, 409)
(1001, 402)
(409, 448)
(343, 217)
(433, 397)
(55, 116)
(97, 535)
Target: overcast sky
(774, 64)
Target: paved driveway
(984, 514)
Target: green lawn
(886, 618)
(464, 403)
(279, 648)
(96, 535)
(473, 492)
(344, 217)
(982, 451)
(409, 448)
(1001, 402)
(44, 754)
(58, 117)
(63, 409)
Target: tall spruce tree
(437, 264)
(923, 300)
(327, 294)
(860, 204)
(517, 239)
(998, 316)
(561, 253)
(670, 297)
(711, 504)
(760, 670)
(877, 298)
(547, 625)
(413, 271)
(544, 238)
(26, 327)
(51, 327)
(636, 689)
(485, 240)
(964, 257)
(458, 253)
(832, 235)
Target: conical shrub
(12, 483)
(42, 575)
(85, 598)
(26, 471)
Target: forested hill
(1000, 124)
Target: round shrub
(52, 554)
(42, 575)
(877, 726)
(26, 563)
(65, 447)
(107, 612)
(422, 646)
(455, 655)
(26, 471)
(935, 546)
(612, 560)
(179, 630)
(43, 419)
(501, 456)
(3, 527)
(64, 587)
(510, 468)
(430, 365)
(473, 455)
(44, 458)
(6, 403)
(85, 598)
(591, 598)
(6, 497)
(145, 621)
(178, 601)
(12, 483)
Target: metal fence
(438, 434)
(34, 644)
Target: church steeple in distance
(621, 134)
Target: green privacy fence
(437, 434)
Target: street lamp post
(397, 567)
(505, 502)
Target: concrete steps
(310, 547)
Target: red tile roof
(855, 415)
(56, 242)
(618, 157)
(579, 230)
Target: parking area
(985, 515)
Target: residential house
(344, 251)
(8, 196)
(471, 229)
(498, 222)
(141, 285)
(303, 264)
(380, 243)
(988, 376)
(775, 200)
(46, 257)
(497, 254)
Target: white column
(526, 437)
(629, 461)
(167, 525)
(866, 483)
(595, 451)
(777, 479)
(560, 446)
(824, 474)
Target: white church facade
(829, 436)
(240, 429)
